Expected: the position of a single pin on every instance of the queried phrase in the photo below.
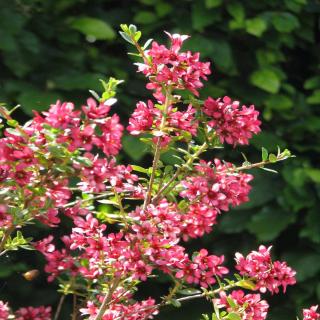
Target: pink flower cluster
(4, 310)
(59, 142)
(233, 125)
(31, 313)
(217, 186)
(5, 218)
(268, 275)
(147, 118)
(101, 170)
(171, 68)
(248, 306)
(40, 161)
(98, 129)
(139, 310)
(27, 313)
(197, 221)
(203, 269)
(58, 261)
(152, 242)
(311, 314)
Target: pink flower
(232, 124)
(203, 269)
(198, 220)
(82, 138)
(5, 217)
(267, 274)
(184, 120)
(139, 310)
(32, 313)
(180, 70)
(50, 218)
(62, 116)
(311, 314)
(217, 187)
(94, 111)
(248, 306)
(141, 119)
(110, 139)
(4, 310)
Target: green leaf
(307, 264)
(163, 9)
(312, 83)
(264, 154)
(312, 227)
(201, 16)
(139, 169)
(212, 3)
(279, 102)
(145, 17)
(132, 29)
(267, 140)
(126, 37)
(234, 223)
(266, 79)
(92, 27)
(232, 303)
(236, 10)
(256, 26)
(246, 284)
(264, 189)
(233, 316)
(73, 80)
(314, 174)
(223, 56)
(137, 36)
(175, 303)
(35, 99)
(133, 147)
(314, 98)
(269, 223)
(106, 201)
(285, 22)
(273, 158)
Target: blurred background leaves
(262, 52)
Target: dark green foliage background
(262, 52)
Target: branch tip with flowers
(62, 163)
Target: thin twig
(107, 299)
(195, 296)
(56, 316)
(74, 309)
(100, 196)
(157, 151)
(253, 165)
(179, 171)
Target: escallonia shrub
(63, 163)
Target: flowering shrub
(62, 163)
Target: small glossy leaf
(264, 153)
(273, 158)
(233, 316)
(126, 37)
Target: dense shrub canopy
(264, 52)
